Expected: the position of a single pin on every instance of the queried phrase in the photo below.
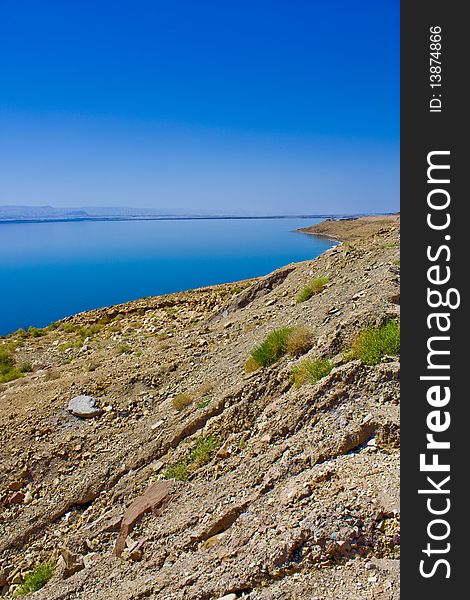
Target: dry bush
(311, 371)
(316, 286)
(52, 374)
(181, 401)
(205, 388)
(299, 341)
(251, 365)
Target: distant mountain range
(14, 213)
(46, 213)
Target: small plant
(396, 262)
(299, 341)
(273, 347)
(6, 359)
(25, 367)
(52, 374)
(311, 371)
(125, 349)
(373, 343)
(181, 401)
(205, 388)
(8, 368)
(204, 402)
(90, 331)
(316, 286)
(36, 332)
(291, 340)
(202, 451)
(251, 365)
(35, 579)
(178, 471)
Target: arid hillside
(206, 470)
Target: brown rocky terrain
(197, 479)
(349, 230)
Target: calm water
(52, 270)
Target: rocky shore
(198, 475)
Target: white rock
(84, 406)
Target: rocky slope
(287, 492)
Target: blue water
(52, 270)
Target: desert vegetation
(374, 342)
(315, 286)
(35, 579)
(311, 371)
(287, 340)
(200, 454)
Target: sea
(50, 270)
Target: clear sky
(261, 106)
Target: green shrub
(6, 359)
(125, 349)
(273, 347)
(311, 371)
(316, 286)
(178, 471)
(36, 332)
(89, 331)
(8, 368)
(199, 455)
(202, 451)
(288, 340)
(396, 262)
(204, 402)
(35, 580)
(373, 343)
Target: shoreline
(325, 217)
(353, 229)
(311, 230)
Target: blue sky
(256, 106)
